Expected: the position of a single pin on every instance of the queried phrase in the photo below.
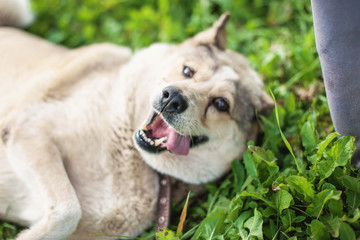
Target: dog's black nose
(172, 101)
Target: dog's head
(203, 108)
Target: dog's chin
(156, 136)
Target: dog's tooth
(148, 140)
(152, 116)
(143, 126)
(152, 143)
(160, 141)
(143, 135)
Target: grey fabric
(337, 35)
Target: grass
(270, 194)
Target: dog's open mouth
(157, 136)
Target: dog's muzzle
(158, 134)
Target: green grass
(270, 194)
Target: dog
(85, 132)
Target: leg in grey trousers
(337, 35)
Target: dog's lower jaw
(180, 167)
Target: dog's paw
(40, 233)
(30, 234)
(57, 226)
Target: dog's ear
(265, 104)
(216, 35)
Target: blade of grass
(282, 135)
(182, 217)
(190, 233)
(294, 79)
(213, 202)
(109, 235)
(276, 234)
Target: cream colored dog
(85, 131)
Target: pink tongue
(177, 143)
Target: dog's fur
(70, 164)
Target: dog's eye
(221, 104)
(188, 72)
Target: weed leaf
(259, 197)
(325, 143)
(239, 174)
(332, 224)
(319, 230)
(214, 221)
(251, 166)
(351, 183)
(254, 225)
(352, 199)
(346, 232)
(309, 139)
(239, 223)
(165, 234)
(354, 219)
(302, 186)
(338, 155)
(283, 200)
(317, 205)
(335, 207)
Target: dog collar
(164, 202)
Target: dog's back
(19, 51)
(32, 69)
(19, 75)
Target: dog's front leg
(38, 162)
